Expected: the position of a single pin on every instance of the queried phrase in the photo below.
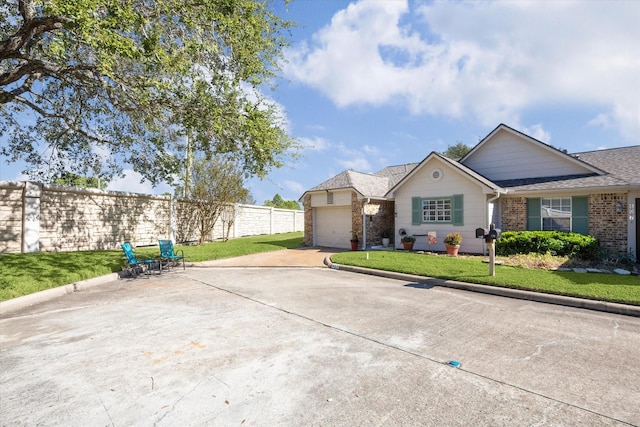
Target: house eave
(583, 190)
(332, 190)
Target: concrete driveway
(241, 345)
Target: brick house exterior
(509, 179)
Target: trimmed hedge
(556, 243)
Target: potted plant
(354, 240)
(452, 242)
(407, 242)
(386, 237)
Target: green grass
(23, 274)
(604, 287)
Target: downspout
(489, 203)
(488, 216)
(364, 225)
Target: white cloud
(314, 144)
(485, 61)
(294, 186)
(354, 159)
(538, 132)
(371, 150)
(357, 164)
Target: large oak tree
(89, 86)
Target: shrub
(453, 239)
(556, 243)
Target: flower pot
(408, 246)
(354, 245)
(452, 250)
(385, 241)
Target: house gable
(441, 196)
(432, 166)
(506, 154)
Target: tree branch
(52, 115)
(10, 47)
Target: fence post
(31, 217)
(173, 220)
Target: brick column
(308, 221)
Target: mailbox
(481, 233)
(491, 233)
(494, 234)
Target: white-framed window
(436, 210)
(439, 210)
(555, 213)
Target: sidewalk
(299, 257)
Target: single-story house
(508, 179)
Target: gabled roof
(462, 168)
(620, 167)
(368, 185)
(611, 168)
(552, 150)
(396, 173)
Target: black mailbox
(491, 233)
(494, 234)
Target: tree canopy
(71, 179)
(90, 86)
(216, 186)
(279, 202)
(457, 151)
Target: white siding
(340, 198)
(511, 156)
(452, 182)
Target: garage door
(333, 227)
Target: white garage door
(333, 227)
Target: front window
(436, 210)
(556, 213)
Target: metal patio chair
(133, 263)
(168, 254)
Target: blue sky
(368, 84)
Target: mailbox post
(490, 236)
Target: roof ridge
(605, 149)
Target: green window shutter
(580, 214)
(534, 219)
(457, 210)
(416, 210)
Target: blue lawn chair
(169, 255)
(133, 263)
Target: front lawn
(23, 274)
(604, 287)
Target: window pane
(559, 207)
(436, 210)
(556, 224)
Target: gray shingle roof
(623, 163)
(369, 185)
(621, 167)
(561, 182)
